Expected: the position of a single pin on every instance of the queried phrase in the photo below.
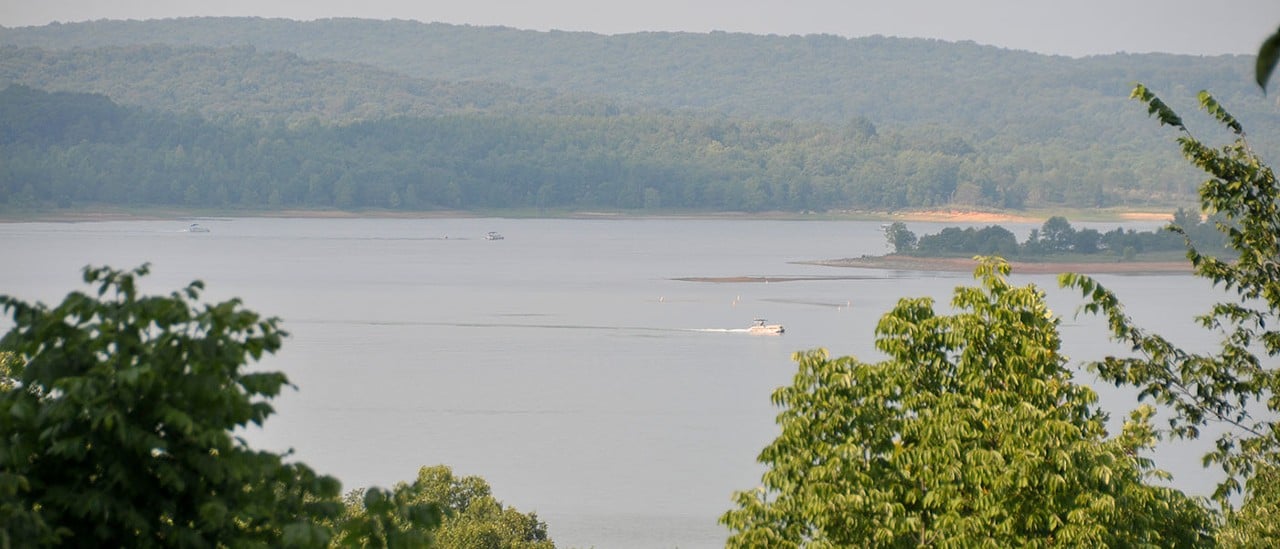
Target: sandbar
(964, 264)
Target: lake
(565, 364)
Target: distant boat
(492, 236)
(197, 228)
(759, 327)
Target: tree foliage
(117, 431)
(382, 519)
(990, 240)
(1256, 523)
(471, 517)
(899, 237)
(970, 433)
(1235, 387)
(1057, 237)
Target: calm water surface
(565, 364)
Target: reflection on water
(566, 364)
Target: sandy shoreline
(766, 279)
(961, 264)
(961, 216)
(973, 216)
(949, 264)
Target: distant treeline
(63, 149)
(1057, 237)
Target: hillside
(821, 78)
(67, 148)
(712, 121)
(241, 81)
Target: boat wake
(411, 323)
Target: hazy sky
(1067, 27)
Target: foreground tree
(1237, 387)
(8, 369)
(472, 519)
(377, 518)
(970, 433)
(116, 430)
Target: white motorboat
(759, 327)
(197, 228)
(492, 236)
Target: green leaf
(1215, 109)
(1268, 55)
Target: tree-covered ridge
(64, 149)
(240, 82)
(706, 121)
(981, 90)
(816, 77)
(1021, 129)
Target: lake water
(564, 364)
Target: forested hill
(227, 112)
(244, 82)
(819, 77)
(67, 148)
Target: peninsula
(1055, 247)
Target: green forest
(246, 113)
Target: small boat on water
(492, 236)
(197, 228)
(759, 327)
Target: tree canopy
(119, 431)
(119, 414)
(472, 517)
(1236, 387)
(970, 433)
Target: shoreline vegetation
(1055, 247)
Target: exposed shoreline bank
(961, 264)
